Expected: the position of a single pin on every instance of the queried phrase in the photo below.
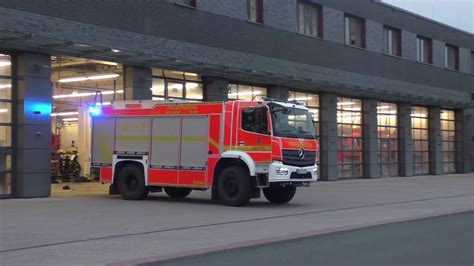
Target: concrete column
(370, 145)
(137, 82)
(328, 137)
(215, 89)
(405, 141)
(278, 92)
(435, 141)
(465, 141)
(32, 177)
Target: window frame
(388, 41)
(420, 49)
(347, 32)
(259, 18)
(447, 46)
(192, 4)
(176, 80)
(9, 150)
(319, 18)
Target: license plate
(301, 171)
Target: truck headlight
(282, 171)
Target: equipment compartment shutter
(102, 141)
(165, 145)
(194, 143)
(132, 134)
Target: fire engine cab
(234, 148)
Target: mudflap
(256, 193)
(113, 189)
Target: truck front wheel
(131, 183)
(177, 192)
(234, 186)
(279, 195)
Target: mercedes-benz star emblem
(301, 154)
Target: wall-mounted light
(5, 63)
(72, 119)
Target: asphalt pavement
(444, 241)
(85, 226)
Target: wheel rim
(131, 182)
(231, 186)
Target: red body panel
(106, 174)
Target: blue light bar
(95, 110)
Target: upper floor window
(451, 57)
(255, 10)
(191, 3)
(393, 41)
(472, 62)
(310, 19)
(424, 50)
(355, 31)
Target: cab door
(253, 134)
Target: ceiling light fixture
(5, 86)
(245, 93)
(84, 94)
(97, 77)
(65, 114)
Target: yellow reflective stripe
(194, 139)
(214, 143)
(132, 138)
(165, 138)
(249, 148)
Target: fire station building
(391, 92)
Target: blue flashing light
(95, 110)
(38, 108)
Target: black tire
(279, 195)
(178, 192)
(131, 183)
(234, 186)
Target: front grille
(290, 157)
(300, 176)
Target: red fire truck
(234, 148)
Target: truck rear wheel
(177, 192)
(234, 186)
(131, 183)
(279, 195)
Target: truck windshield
(291, 122)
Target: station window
(448, 131)
(190, 3)
(311, 101)
(255, 11)
(246, 93)
(451, 57)
(420, 136)
(168, 84)
(5, 125)
(310, 19)
(349, 131)
(424, 50)
(393, 41)
(387, 138)
(354, 31)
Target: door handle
(241, 143)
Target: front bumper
(278, 172)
